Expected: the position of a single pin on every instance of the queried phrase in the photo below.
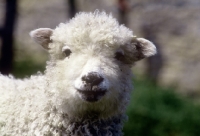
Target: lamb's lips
(92, 95)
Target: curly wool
(28, 111)
(55, 103)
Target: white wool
(50, 104)
(92, 29)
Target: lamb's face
(96, 74)
(90, 66)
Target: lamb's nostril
(97, 81)
(93, 78)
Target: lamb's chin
(91, 95)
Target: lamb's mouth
(92, 95)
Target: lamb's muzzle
(92, 96)
(92, 79)
(92, 91)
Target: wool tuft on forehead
(96, 28)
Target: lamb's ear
(135, 50)
(143, 48)
(42, 36)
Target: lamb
(86, 86)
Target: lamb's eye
(66, 51)
(119, 56)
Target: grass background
(156, 111)
(153, 110)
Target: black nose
(93, 79)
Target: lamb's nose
(93, 79)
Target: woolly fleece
(49, 104)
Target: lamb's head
(90, 66)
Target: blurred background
(166, 98)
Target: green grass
(27, 67)
(155, 111)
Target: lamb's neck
(97, 127)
